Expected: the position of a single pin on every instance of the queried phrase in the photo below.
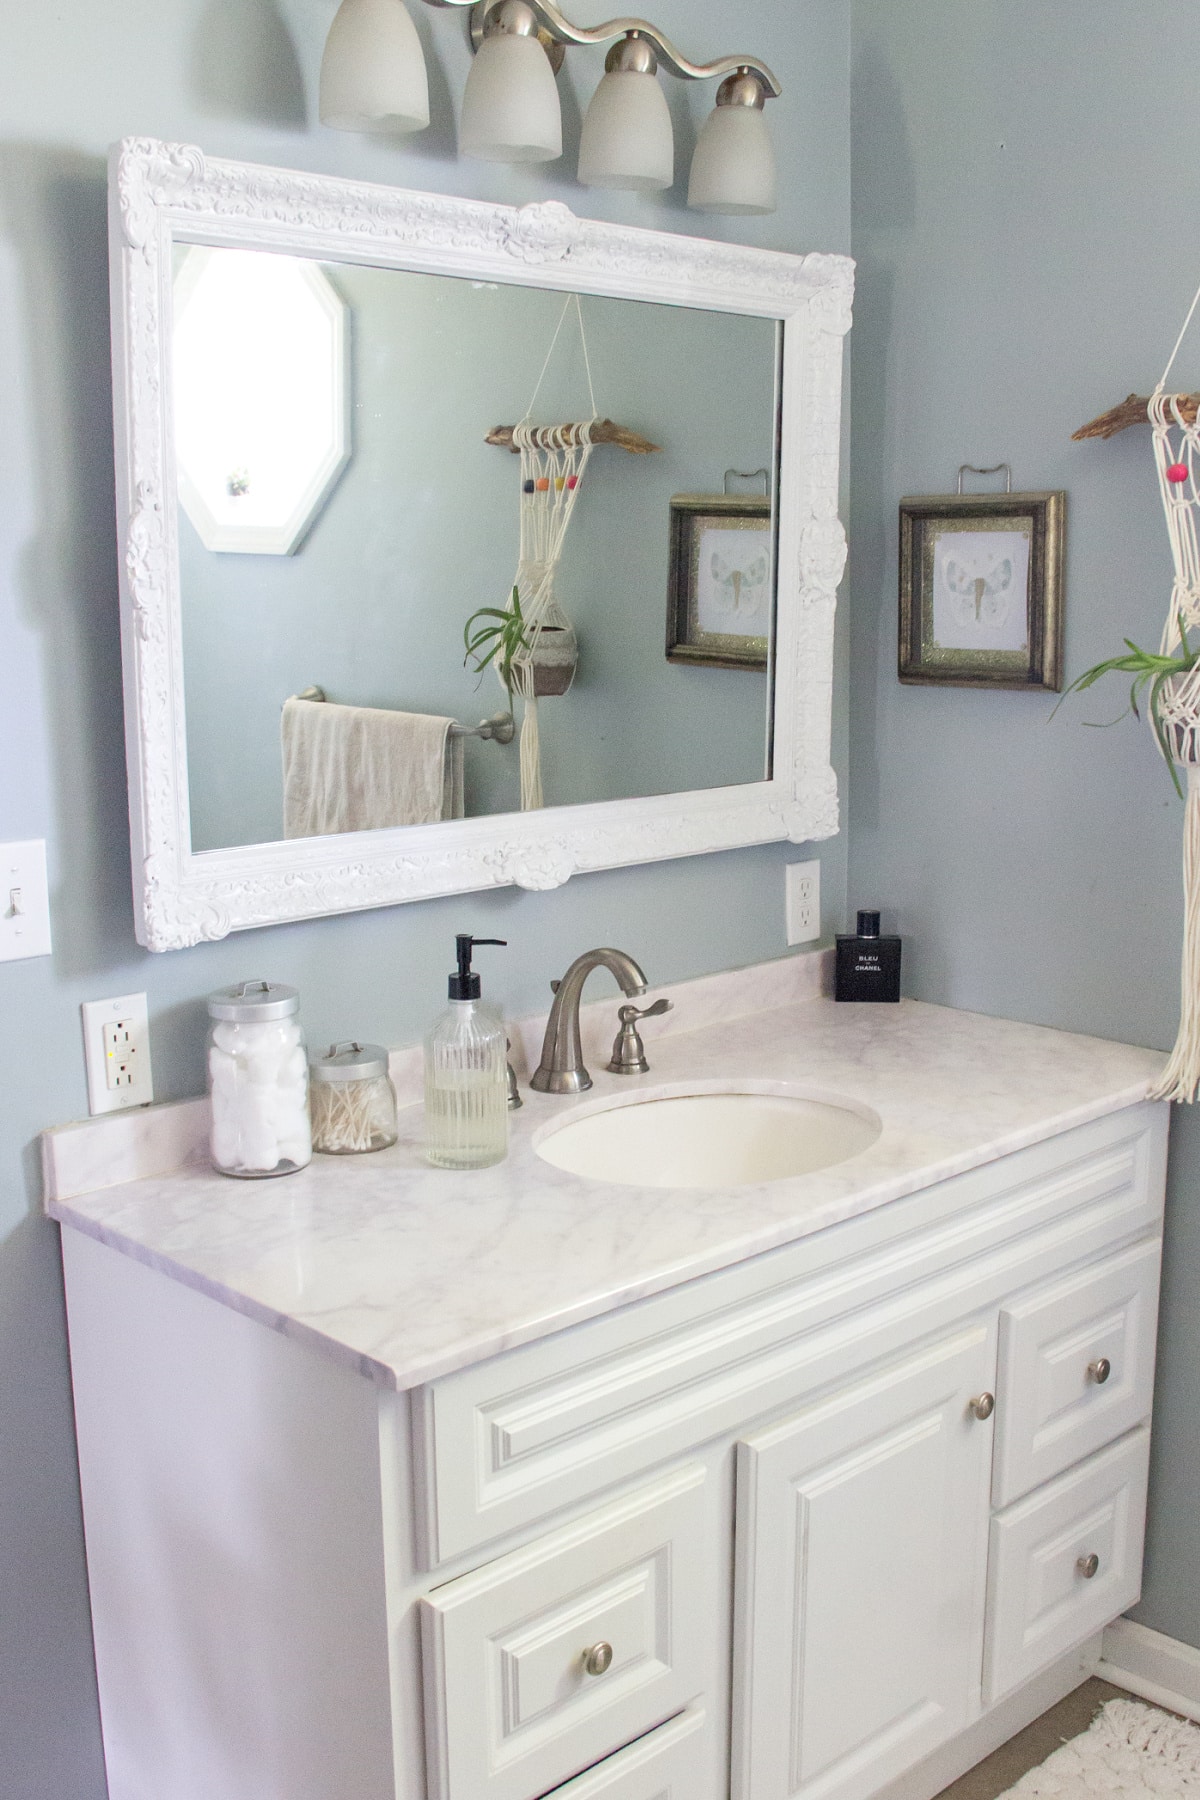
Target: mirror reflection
(350, 542)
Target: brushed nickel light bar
(373, 78)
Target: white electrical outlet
(116, 1047)
(802, 891)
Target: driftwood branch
(603, 432)
(1133, 411)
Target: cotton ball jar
(258, 1081)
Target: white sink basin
(727, 1138)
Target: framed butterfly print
(720, 590)
(981, 590)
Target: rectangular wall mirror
(316, 526)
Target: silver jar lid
(253, 1001)
(350, 1062)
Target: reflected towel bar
(501, 727)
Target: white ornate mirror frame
(164, 192)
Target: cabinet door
(862, 1531)
(515, 1703)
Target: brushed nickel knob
(983, 1405)
(598, 1660)
(1088, 1565)
(1100, 1370)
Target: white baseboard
(1154, 1666)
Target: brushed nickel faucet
(561, 1069)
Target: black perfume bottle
(868, 966)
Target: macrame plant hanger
(553, 460)
(1177, 459)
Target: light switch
(24, 901)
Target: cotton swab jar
(353, 1100)
(258, 1081)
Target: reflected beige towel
(362, 768)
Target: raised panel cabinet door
(548, 1659)
(1076, 1367)
(861, 1573)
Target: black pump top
(465, 985)
(868, 924)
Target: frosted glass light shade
(627, 141)
(373, 70)
(733, 167)
(510, 109)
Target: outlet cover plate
(116, 1048)
(24, 901)
(802, 892)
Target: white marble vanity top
(408, 1272)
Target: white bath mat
(1131, 1752)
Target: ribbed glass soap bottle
(466, 1075)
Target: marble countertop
(406, 1272)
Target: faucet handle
(629, 1052)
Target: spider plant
(1151, 671)
(500, 642)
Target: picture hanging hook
(974, 469)
(763, 475)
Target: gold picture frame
(708, 586)
(981, 590)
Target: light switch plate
(116, 1047)
(24, 901)
(803, 902)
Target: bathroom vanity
(416, 1486)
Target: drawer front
(1065, 1562)
(1076, 1368)
(549, 1424)
(512, 1708)
(676, 1762)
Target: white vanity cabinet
(828, 1523)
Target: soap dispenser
(466, 1074)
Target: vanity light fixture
(373, 70)
(373, 78)
(510, 109)
(627, 141)
(733, 167)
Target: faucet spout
(561, 1069)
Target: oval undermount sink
(728, 1138)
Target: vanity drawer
(1044, 1593)
(673, 1763)
(512, 1710)
(1076, 1368)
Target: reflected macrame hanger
(553, 461)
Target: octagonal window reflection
(262, 433)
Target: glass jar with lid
(258, 1081)
(353, 1100)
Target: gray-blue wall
(1026, 185)
(239, 78)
